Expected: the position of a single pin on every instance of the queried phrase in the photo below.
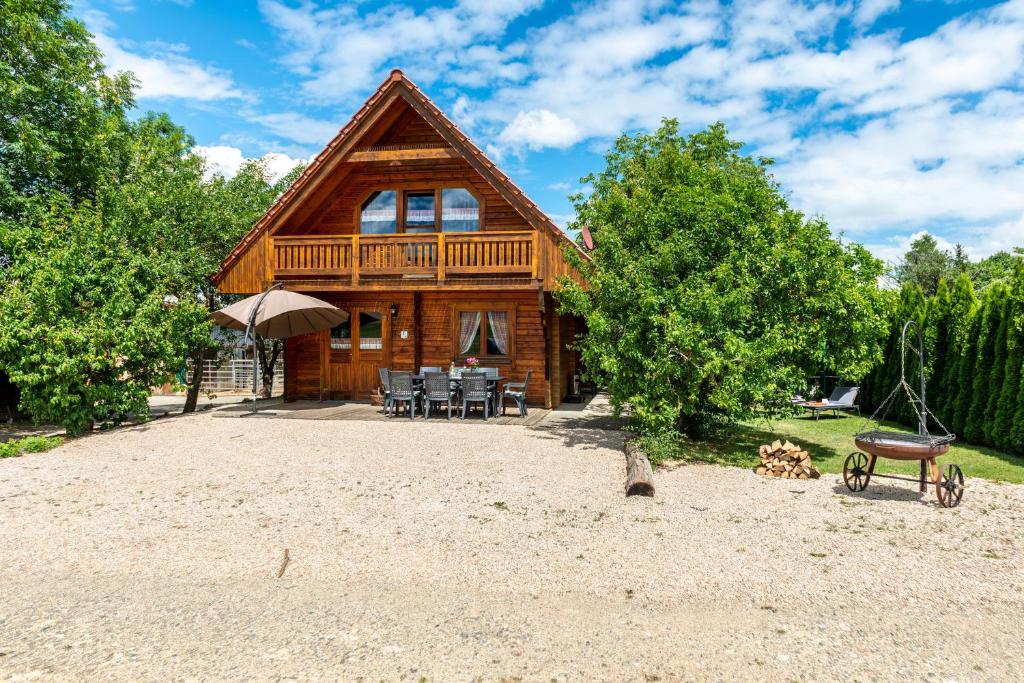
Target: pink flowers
(473, 362)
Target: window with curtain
(371, 330)
(379, 215)
(460, 211)
(341, 336)
(419, 212)
(484, 333)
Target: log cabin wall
(314, 371)
(249, 274)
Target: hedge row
(974, 356)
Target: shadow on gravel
(905, 492)
(591, 424)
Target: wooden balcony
(434, 257)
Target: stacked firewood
(786, 460)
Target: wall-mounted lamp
(394, 311)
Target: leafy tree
(1006, 403)
(997, 267)
(924, 265)
(984, 354)
(997, 375)
(963, 304)
(86, 330)
(58, 109)
(231, 207)
(707, 297)
(937, 343)
(1010, 413)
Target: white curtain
(499, 328)
(469, 325)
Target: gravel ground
(469, 552)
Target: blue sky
(886, 117)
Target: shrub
(29, 444)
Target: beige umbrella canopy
(281, 314)
(278, 314)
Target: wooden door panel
(354, 374)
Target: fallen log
(639, 474)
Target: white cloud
(540, 128)
(164, 71)
(225, 160)
(893, 249)
(868, 11)
(343, 53)
(220, 159)
(879, 135)
(279, 165)
(299, 128)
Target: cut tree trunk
(639, 474)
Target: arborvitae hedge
(975, 361)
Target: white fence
(235, 375)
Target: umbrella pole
(250, 329)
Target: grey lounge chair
(403, 391)
(474, 390)
(437, 388)
(842, 398)
(517, 392)
(385, 383)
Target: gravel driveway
(470, 552)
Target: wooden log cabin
(403, 222)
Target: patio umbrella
(278, 314)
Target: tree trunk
(639, 474)
(198, 362)
(192, 395)
(267, 364)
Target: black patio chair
(403, 391)
(437, 388)
(474, 390)
(385, 383)
(517, 392)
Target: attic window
(419, 212)
(460, 211)
(379, 215)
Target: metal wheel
(855, 471)
(950, 487)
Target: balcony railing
(427, 255)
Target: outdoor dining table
(492, 382)
(458, 380)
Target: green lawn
(830, 439)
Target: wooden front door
(357, 350)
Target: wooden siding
(428, 318)
(410, 129)
(248, 275)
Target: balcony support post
(356, 258)
(441, 257)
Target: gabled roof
(396, 85)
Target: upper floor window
(379, 215)
(460, 211)
(419, 212)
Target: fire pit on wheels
(924, 446)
